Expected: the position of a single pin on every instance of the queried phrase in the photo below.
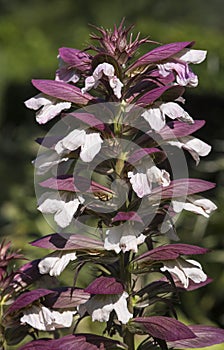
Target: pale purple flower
(90, 144)
(47, 107)
(52, 203)
(184, 77)
(179, 64)
(66, 73)
(56, 262)
(44, 319)
(156, 115)
(100, 306)
(104, 69)
(185, 270)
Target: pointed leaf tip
(165, 328)
(205, 336)
(62, 91)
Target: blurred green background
(31, 33)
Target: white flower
(156, 116)
(55, 263)
(142, 183)
(49, 107)
(156, 175)
(43, 319)
(196, 147)
(63, 211)
(100, 307)
(201, 206)
(185, 270)
(124, 239)
(90, 144)
(108, 70)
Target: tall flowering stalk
(112, 175)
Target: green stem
(125, 276)
(129, 339)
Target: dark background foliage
(31, 33)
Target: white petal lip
(140, 184)
(54, 264)
(119, 240)
(50, 111)
(195, 209)
(49, 107)
(123, 238)
(193, 56)
(131, 242)
(43, 319)
(199, 146)
(156, 175)
(108, 70)
(121, 309)
(206, 204)
(90, 82)
(174, 111)
(194, 146)
(155, 118)
(71, 142)
(38, 101)
(178, 205)
(116, 86)
(202, 206)
(100, 307)
(91, 147)
(185, 270)
(90, 144)
(63, 211)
